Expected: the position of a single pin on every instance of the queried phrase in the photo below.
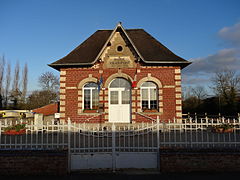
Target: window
(120, 83)
(113, 97)
(119, 48)
(149, 96)
(90, 96)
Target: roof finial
(119, 23)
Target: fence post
(69, 145)
(1, 121)
(113, 147)
(195, 117)
(158, 144)
(0, 130)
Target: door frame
(119, 89)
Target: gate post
(69, 144)
(158, 144)
(113, 147)
(1, 129)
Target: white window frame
(91, 93)
(149, 95)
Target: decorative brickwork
(178, 95)
(169, 96)
(130, 54)
(62, 90)
(117, 75)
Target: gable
(118, 53)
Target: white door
(119, 101)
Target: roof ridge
(125, 29)
(135, 29)
(105, 30)
(47, 105)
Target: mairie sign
(119, 62)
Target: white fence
(36, 136)
(200, 133)
(136, 137)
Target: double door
(119, 105)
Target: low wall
(33, 162)
(55, 162)
(200, 160)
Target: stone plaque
(119, 62)
(118, 54)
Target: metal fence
(201, 133)
(135, 137)
(35, 136)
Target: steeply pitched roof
(149, 49)
(86, 52)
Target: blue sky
(39, 32)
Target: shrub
(16, 127)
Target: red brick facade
(169, 93)
(133, 55)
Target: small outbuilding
(48, 111)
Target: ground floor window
(149, 96)
(90, 96)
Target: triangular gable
(124, 37)
(118, 53)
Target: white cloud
(225, 58)
(200, 72)
(203, 68)
(231, 34)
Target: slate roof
(151, 50)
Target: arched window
(120, 82)
(123, 92)
(149, 96)
(90, 96)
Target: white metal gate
(114, 146)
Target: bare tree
(48, 81)
(226, 85)
(199, 92)
(7, 84)
(41, 98)
(186, 92)
(16, 94)
(194, 98)
(16, 78)
(2, 67)
(24, 82)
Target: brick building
(122, 76)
